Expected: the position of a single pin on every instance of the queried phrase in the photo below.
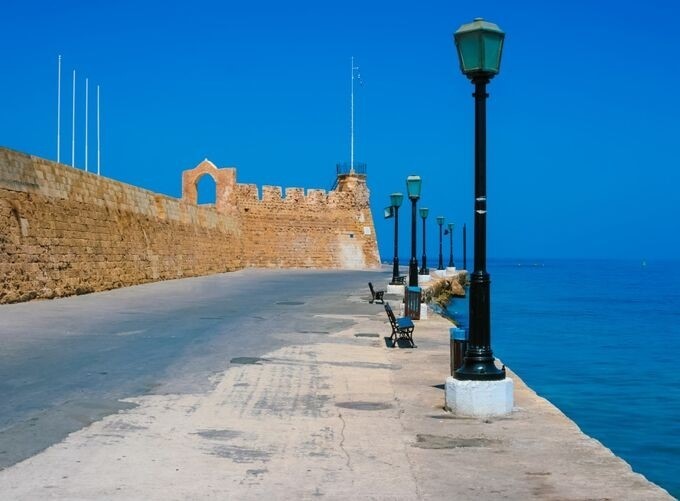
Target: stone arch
(206, 187)
(225, 181)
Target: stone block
(423, 279)
(479, 398)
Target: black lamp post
(440, 222)
(479, 46)
(423, 269)
(451, 265)
(413, 185)
(464, 247)
(396, 199)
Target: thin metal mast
(98, 136)
(73, 123)
(86, 113)
(59, 110)
(351, 148)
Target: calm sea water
(601, 341)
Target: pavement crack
(342, 441)
(411, 463)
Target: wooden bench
(400, 280)
(402, 327)
(376, 295)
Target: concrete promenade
(330, 411)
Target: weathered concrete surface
(344, 417)
(66, 363)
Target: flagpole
(73, 123)
(59, 109)
(86, 113)
(351, 148)
(98, 136)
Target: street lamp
(451, 264)
(423, 269)
(479, 45)
(396, 199)
(413, 185)
(440, 222)
(464, 246)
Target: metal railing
(344, 168)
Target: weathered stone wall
(295, 230)
(319, 229)
(64, 231)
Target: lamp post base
(479, 370)
(395, 271)
(479, 398)
(478, 365)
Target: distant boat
(644, 263)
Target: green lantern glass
(440, 220)
(396, 199)
(413, 185)
(424, 211)
(480, 46)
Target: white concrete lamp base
(450, 270)
(423, 279)
(395, 289)
(440, 273)
(479, 398)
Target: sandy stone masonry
(64, 231)
(319, 229)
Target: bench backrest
(390, 315)
(370, 286)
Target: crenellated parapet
(290, 227)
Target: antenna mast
(86, 113)
(59, 110)
(351, 153)
(73, 123)
(98, 136)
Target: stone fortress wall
(64, 231)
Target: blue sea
(601, 341)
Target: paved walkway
(342, 416)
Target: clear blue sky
(582, 120)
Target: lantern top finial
(479, 23)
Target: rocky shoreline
(442, 290)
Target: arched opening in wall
(206, 190)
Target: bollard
(458, 345)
